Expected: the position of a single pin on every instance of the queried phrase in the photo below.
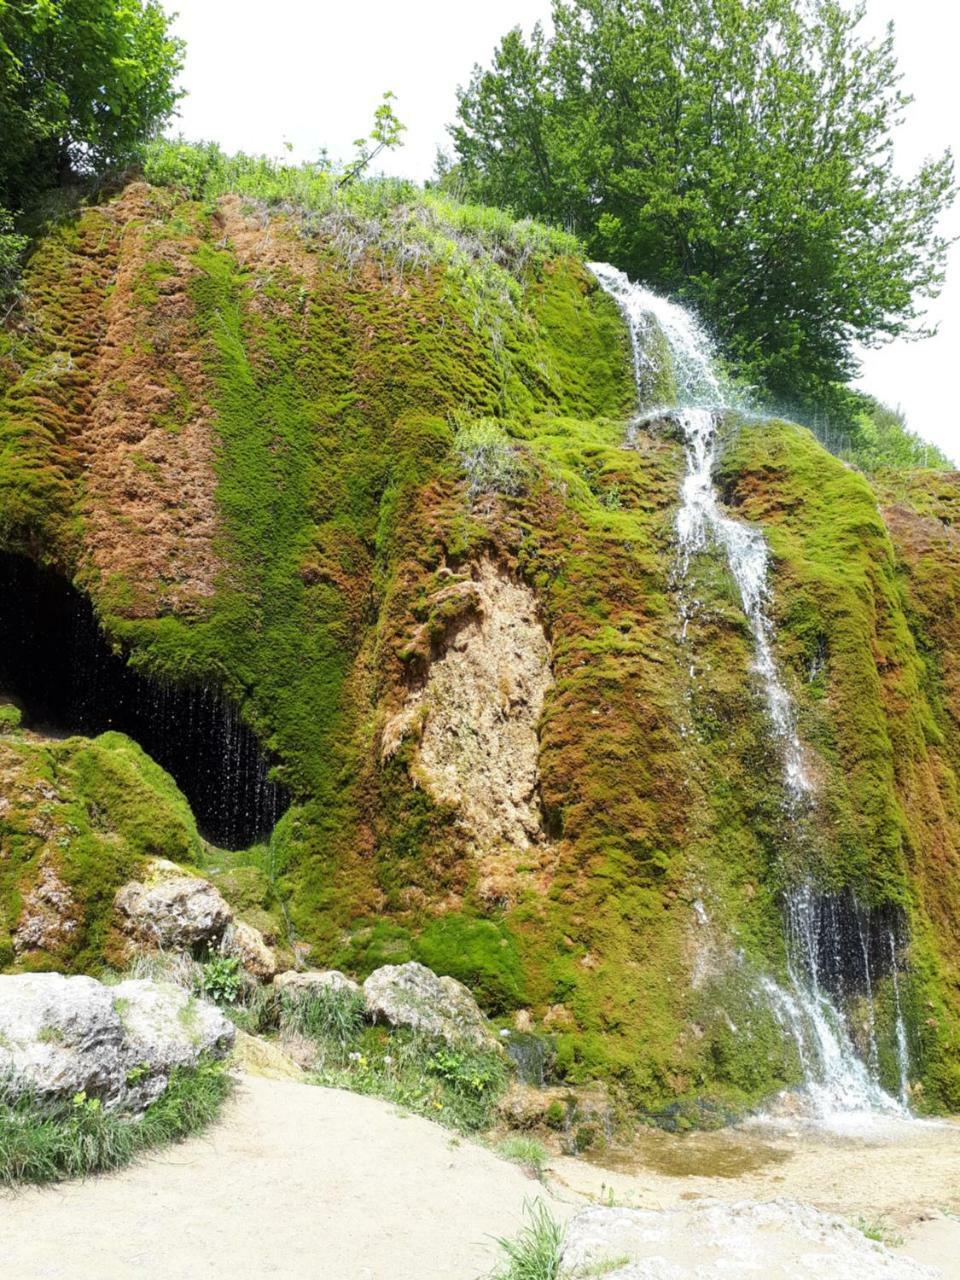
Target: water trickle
(835, 949)
(55, 662)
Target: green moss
(480, 953)
(88, 813)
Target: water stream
(835, 947)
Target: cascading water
(832, 942)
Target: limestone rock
(259, 1057)
(776, 1240)
(60, 1036)
(411, 995)
(314, 979)
(476, 716)
(172, 911)
(250, 948)
(165, 1027)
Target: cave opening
(57, 667)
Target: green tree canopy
(82, 83)
(735, 153)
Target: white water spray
(837, 1079)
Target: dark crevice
(57, 666)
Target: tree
(384, 136)
(82, 84)
(735, 153)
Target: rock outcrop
(61, 1036)
(301, 982)
(779, 1240)
(172, 910)
(412, 996)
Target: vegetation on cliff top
(736, 154)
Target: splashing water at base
(837, 1079)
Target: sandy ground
(296, 1181)
(318, 1184)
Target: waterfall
(825, 962)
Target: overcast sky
(310, 73)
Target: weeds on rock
(44, 1141)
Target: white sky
(310, 72)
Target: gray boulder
(297, 983)
(171, 910)
(165, 1027)
(60, 1036)
(411, 995)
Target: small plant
(221, 980)
(527, 1152)
(384, 136)
(490, 460)
(879, 1230)
(536, 1252)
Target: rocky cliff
(352, 497)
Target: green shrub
(527, 1152)
(44, 1141)
(221, 980)
(491, 461)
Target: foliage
(43, 1141)
(873, 437)
(456, 1085)
(385, 135)
(536, 1252)
(220, 979)
(323, 1013)
(738, 154)
(490, 459)
(82, 84)
(525, 1151)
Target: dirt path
(296, 1181)
(318, 1184)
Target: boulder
(250, 948)
(775, 1240)
(165, 1027)
(411, 995)
(314, 980)
(60, 1036)
(171, 910)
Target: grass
(50, 1141)
(455, 1085)
(526, 1152)
(878, 1229)
(536, 1252)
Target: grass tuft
(536, 1252)
(526, 1152)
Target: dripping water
(836, 949)
(55, 662)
